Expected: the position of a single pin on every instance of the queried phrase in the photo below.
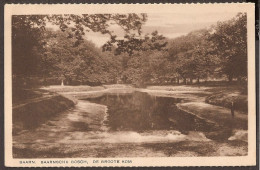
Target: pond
(139, 111)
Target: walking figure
(232, 109)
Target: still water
(139, 112)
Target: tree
(205, 61)
(84, 63)
(181, 54)
(26, 36)
(136, 65)
(28, 31)
(230, 39)
(136, 58)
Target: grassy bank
(35, 106)
(224, 96)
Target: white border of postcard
(19, 9)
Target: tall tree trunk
(190, 80)
(230, 78)
(172, 80)
(178, 80)
(184, 81)
(198, 80)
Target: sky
(171, 25)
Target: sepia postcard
(129, 85)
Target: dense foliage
(216, 52)
(83, 64)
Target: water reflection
(139, 112)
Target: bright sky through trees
(170, 25)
